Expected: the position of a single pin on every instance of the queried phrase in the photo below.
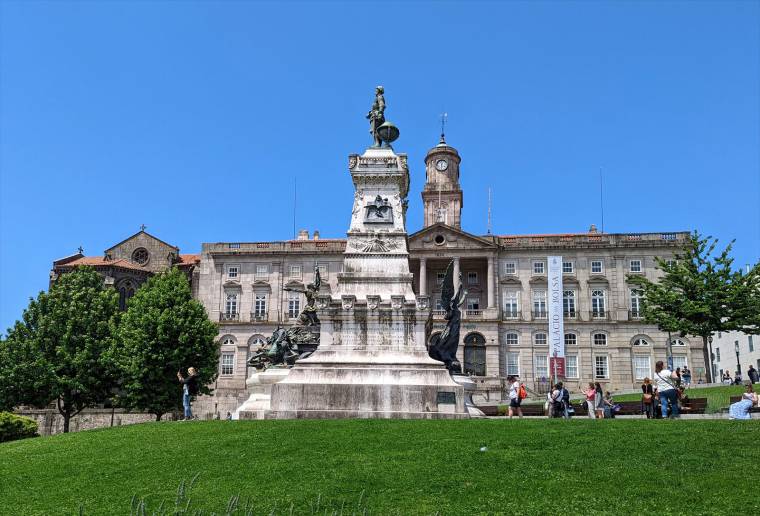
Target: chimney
(316, 234)
(303, 234)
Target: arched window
(571, 339)
(475, 354)
(511, 339)
(126, 291)
(677, 342)
(255, 343)
(600, 339)
(640, 342)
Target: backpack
(565, 395)
(522, 393)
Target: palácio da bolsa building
(505, 316)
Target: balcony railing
(439, 313)
(229, 317)
(539, 314)
(511, 314)
(570, 314)
(473, 314)
(259, 317)
(599, 314)
(635, 315)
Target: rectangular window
(231, 305)
(571, 339)
(568, 268)
(472, 278)
(513, 363)
(597, 266)
(601, 367)
(473, 303)
(679, 361)
(510, 268)
(294, 306)
(600, 339)
(598, 304)
(232, 271)
(539, 267)
(635, 304)
(511, 339)
(294, 271)
(260, 305)
(228, 363)
(511, 304)
(571, 366)
(568, 303)
(539, 303)
(262, 271)
(641, 366)
(540, 339)
(751, 344)
(439, 277)
(542, 366)
(717, 355)
(635, 266)
(439, 304)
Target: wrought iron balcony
(229, 317)
(599, 314)
(635, 315)
(511, 314)
(570, 314)
(539, 314)
(259, 317)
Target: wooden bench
(734, 399)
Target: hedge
(13, 427)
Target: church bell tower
(442, 195)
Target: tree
(164, 331)
(57, 352)
(699, 294)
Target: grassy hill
(392, 467)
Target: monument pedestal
(260, 386)
(372, 361)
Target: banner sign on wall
(556, 321)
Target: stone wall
(50, 422)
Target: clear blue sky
(194, 118)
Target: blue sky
(196, 118)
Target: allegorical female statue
(376, 115)
(443, 347)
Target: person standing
(727, 378)
(666, 390)
(598, 401)
(686, 376)
(514, 397)
(565, 397)
(590, 393)
(752, 374)
(189, 389)
(647, 398)
(678, 376)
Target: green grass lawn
(717, 397)
(402, 467)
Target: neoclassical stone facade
(504, 327)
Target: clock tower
(442, 195)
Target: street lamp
(738, 365)
(712, 357)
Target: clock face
(441, 164)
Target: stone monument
(372, 360)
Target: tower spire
(444, 119)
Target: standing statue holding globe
(382, 132)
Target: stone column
(491, 283)
(456, 274)
(423, 276)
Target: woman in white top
(664, 380)
(514, 397)
(741, 409)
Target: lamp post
(712, 357)
(738, 365)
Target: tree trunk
(708, 362)
(66, 419)
(158, 416)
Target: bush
(13, 427)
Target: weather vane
(444, 118)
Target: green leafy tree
(164, 331)
(698, 294)
(58, 351)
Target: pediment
(294, 284)
(441, 236)
(231, 284)
(510, 280)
